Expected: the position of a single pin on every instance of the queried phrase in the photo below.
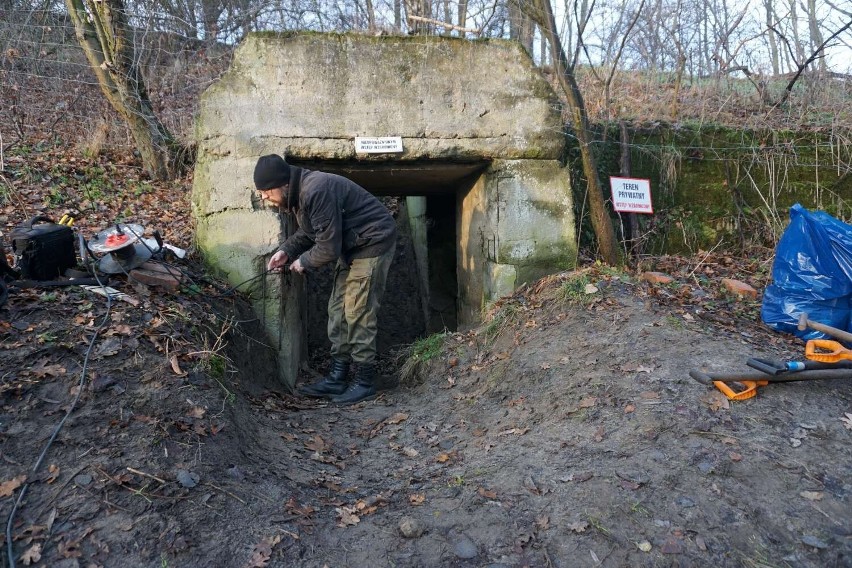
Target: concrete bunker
(483, 198)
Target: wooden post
(631, 239)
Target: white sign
(631, 195)
(364, 145)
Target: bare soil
(560, 433)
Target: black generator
(43, 249)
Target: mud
(557, 434)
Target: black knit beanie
(271, 171)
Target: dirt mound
(563, 432)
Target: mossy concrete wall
(715, 185)
(308, 95)
(516, 225)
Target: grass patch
(575, 290)
(418, 355)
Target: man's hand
(297, 266)
(277, 262)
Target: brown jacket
(338, 219)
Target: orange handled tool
(751, 381)
(826, 351)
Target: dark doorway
(443, 281)
(408, 311)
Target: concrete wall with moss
(308, 95)
(713, 184)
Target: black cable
(9, 545)
(222, 293)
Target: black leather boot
(334, 383)
(362, 387)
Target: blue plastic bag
(812, 274)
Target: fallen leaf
(8, 487)
(735, 457)
(543, 522)
(31, 555)
(629, 408)
(43, 369)
(348, 518)
(109, 347)
(316, 444)
(53, 470)
(716, 401)
(588, 402)
(196, 412)
(649, 395)
(262, 552)
(487, 493)
(644, 546)
(847, 420)
(812, 495)
(699, 542)
(397, 418)
(583, 476)
(578, 527)
(410, 452)
(442, 458)
(416, 498)
(176, 366)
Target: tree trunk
(631, 242)
(816, 35)
(773, 43)
(371, 16)
(521, 27)
(103, 34)
(542, 14)
(462, 20)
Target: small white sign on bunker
(380, 145)
(631, 195)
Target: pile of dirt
(565, 431)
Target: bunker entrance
(422, 295)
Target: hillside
(565, 431)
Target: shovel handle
(826, 351)
(749, 391)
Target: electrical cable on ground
(9, 543)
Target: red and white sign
(631, 195)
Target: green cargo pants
(353, 307)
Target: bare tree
(102, 30)
(521, 27)
(769, 7)
(817, 53)
(541, 12)
(813, 27)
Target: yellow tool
(826, 351)
(66, 220)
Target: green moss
(710, 183)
